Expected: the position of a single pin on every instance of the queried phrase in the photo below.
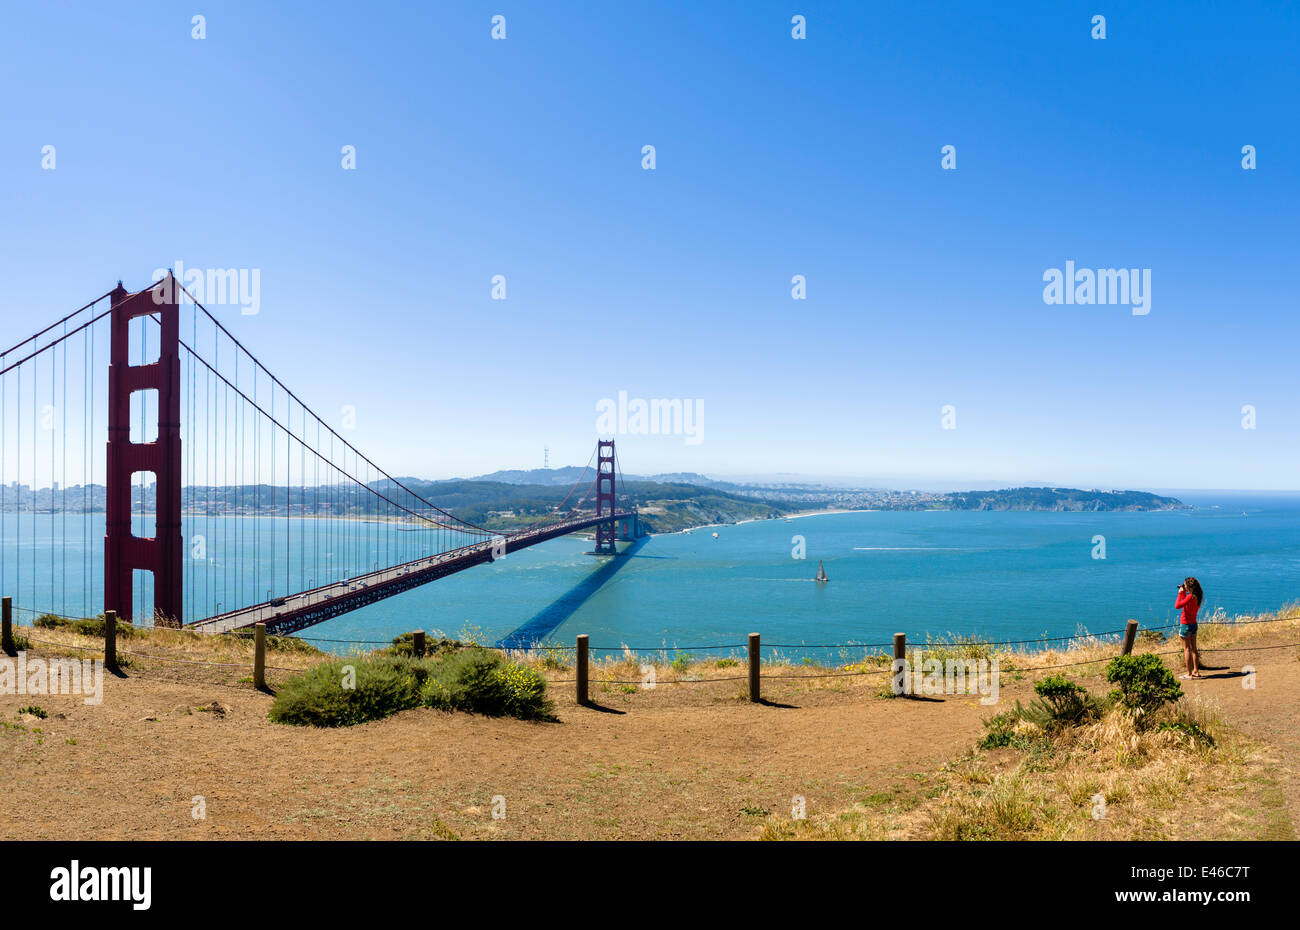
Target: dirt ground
(682, 761)
(1269, 713)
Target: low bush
(291, 645)
(351, 691)
(85, 626)
(1062, 703)
(1000, 730)
(404, 645)
(1015, 728)
(482, 682)
(1143, 683)
(957, 647)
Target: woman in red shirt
(1189, 599)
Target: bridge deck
(307, 608)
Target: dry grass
(1164, 781)
(177, 647)
(1219, 632)
(628, 671)
(1105, 780)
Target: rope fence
(1081, 637)
(582, 650)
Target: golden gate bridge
(259, 510)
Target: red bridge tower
(605, 500)
(125, 552)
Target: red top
(1190, 606)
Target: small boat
(821, 573)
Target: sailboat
(821, 573)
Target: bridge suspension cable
(274, 512)
(293, 397)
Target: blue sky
(775, 157)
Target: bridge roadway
(299, 611)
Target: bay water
(998, 575)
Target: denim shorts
(1187, 629)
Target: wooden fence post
(582, 668)
(900, 652)
(417, 643)
(259, 656)
(7, 624)
(110, 639)
(754, 659)
(1130, 634)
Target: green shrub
(383, 685)
(289, 644)
(481, 681)
(34, 710)
(474, 680)
(404, 645)
(1000, 730)
(95, 627)
(1061, 703)
(957, 647)
(1143, 683)
(681, 663)
(85, 626)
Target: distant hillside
(568, 474)
(665, 507)
(1060, 499)
(565, 475)
(688, 477)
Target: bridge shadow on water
(541, 624)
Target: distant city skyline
(846, 255)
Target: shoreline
(790, 516)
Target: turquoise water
(999, 575)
